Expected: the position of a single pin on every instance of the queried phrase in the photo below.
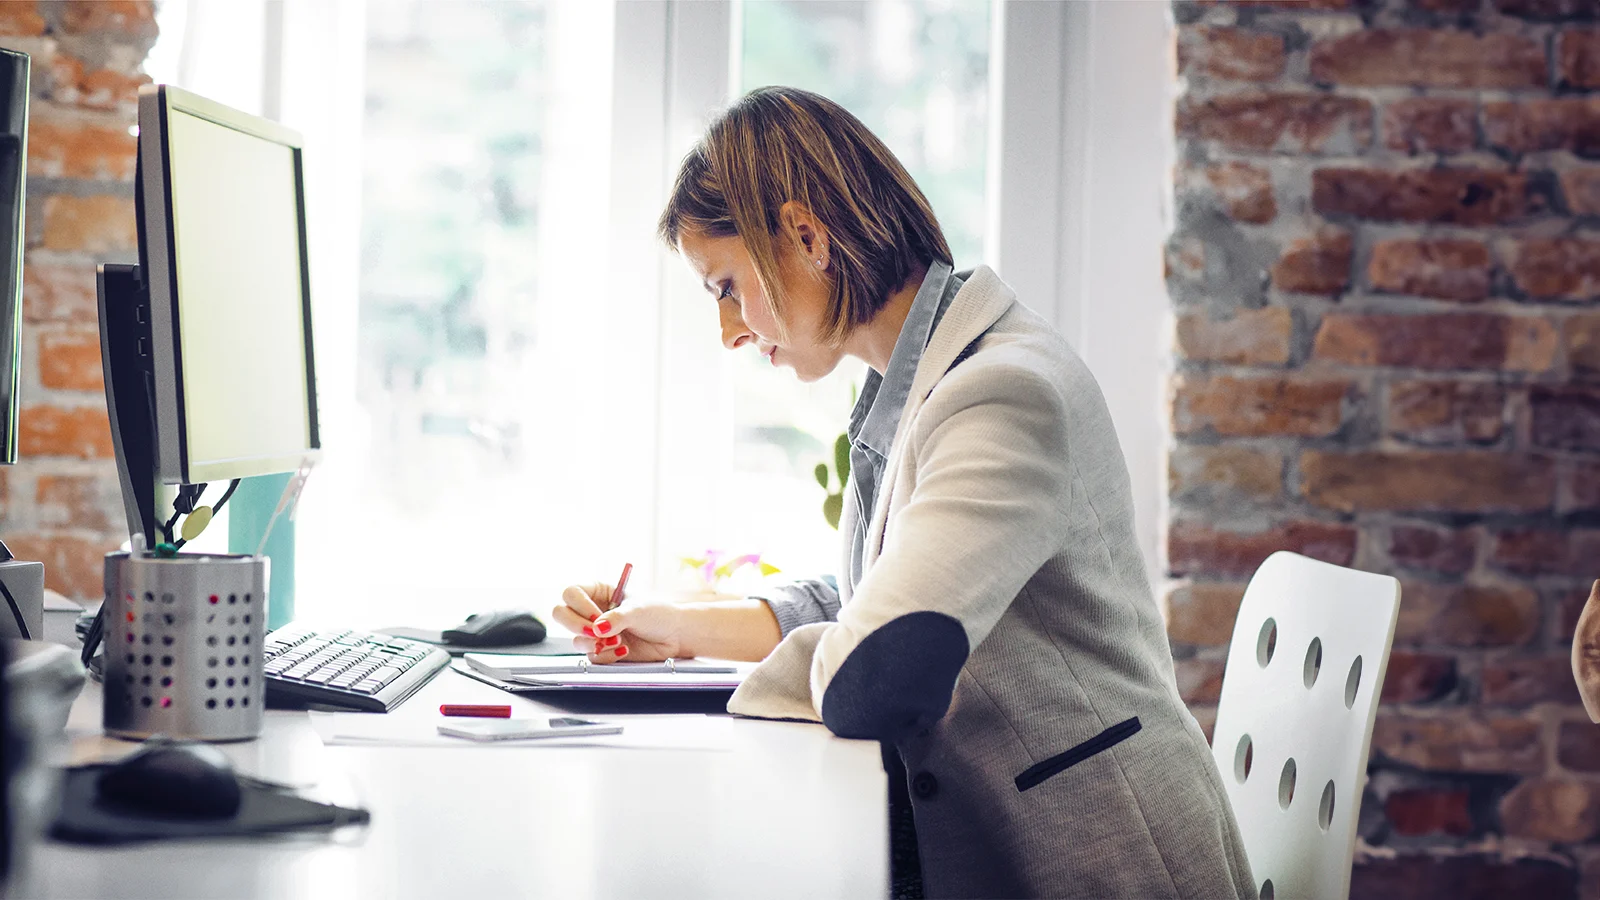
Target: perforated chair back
(1294, 724)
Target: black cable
(232, 486)
(91, 641)
(22, 627)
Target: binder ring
(671, 666)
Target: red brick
(131, 18)
(1445, 196)
(1431, 875)
(1258, 122)
(1432, 549)
(1578, 58)
(52, 293)
(1552, 810)
(1466, 615)
(1446, 268)
(1548, 9)
(1185, 259)
(1578, 747)
(70, 360)
(1301, 5)
(1524, 682)
(76, 501)
(1565, 418)
(1530, 126)
(1547, 551)
(1199, 680)
(1245, 191)
(1252, 337)
(73, 565)
(97, 223)
(1581, 336)
(1460, 743)
(1194, 548)
(21, 19)
(83, 432)
(1318, 264)
(1203, 613)
(1418, 677)
(1236, 54)
(1568, 604)
(1430, 125)
(72, 84)
(1418, 57)
(1223, 476)
(60, 147)
(1428, 811)
(1443, 481)
(1438, 341)
(1555, 268)
(1580, 186)
(1258, 406)
(1446, 412)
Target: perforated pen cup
(183, 645)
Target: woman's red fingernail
(589, 631)
(603, 627)
(622, 651)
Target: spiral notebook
(569, 673)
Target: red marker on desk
(475, 710)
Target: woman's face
(729, 274)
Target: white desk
(787, 811)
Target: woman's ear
(810, 236)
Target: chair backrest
(1294, 723)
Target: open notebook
(556, 673)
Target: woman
(994, 627)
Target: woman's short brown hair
(778, 144)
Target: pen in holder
(183, 645)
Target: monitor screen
(239, 382)
(13, 180)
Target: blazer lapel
(980, 303)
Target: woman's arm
(725, 629)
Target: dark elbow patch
(898, 679)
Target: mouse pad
(264, 809)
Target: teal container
(249, 510)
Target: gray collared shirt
(873, 424)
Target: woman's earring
(819, 263)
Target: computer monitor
(222, 237)
(13, 186)
(206, 345)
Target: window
(519, 387)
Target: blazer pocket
(1055, 765)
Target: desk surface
(782, 809)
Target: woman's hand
(637, 633)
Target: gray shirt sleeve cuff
(802, 603)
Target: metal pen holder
(183, 645)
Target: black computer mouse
(502, 628)
(174, 779)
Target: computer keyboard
(347, 668)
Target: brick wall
(1385, 275)
(61, 503)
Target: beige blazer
(1004, 637)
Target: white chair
(1294, 724)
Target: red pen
(475, 710)
(622, 582)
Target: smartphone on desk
(527, 729)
